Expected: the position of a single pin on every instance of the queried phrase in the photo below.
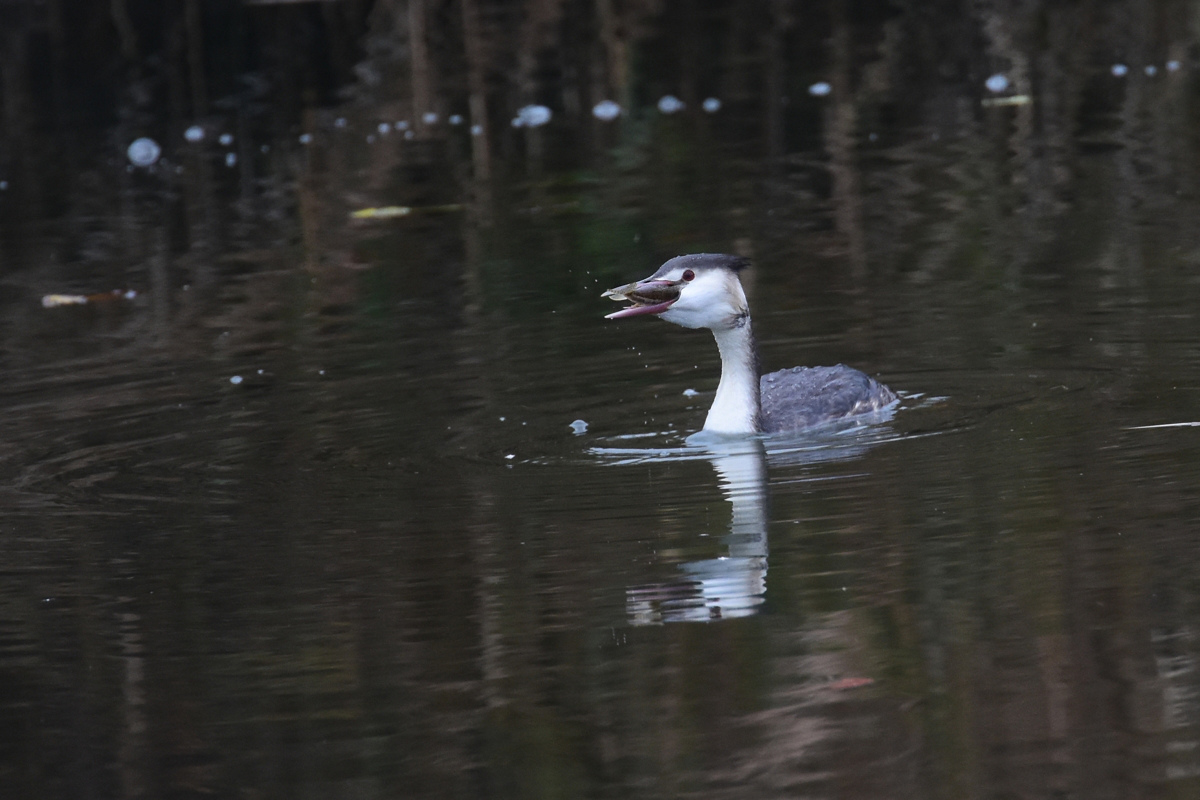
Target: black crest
(699, 261)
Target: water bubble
(429, 118)
(670, 104)
(476, 130)
(997, 83)
(712, 105)
(230, 159)
(1173, 66)
(606, 110)
(235, 380)
(455, 119)
(143, 152)
(579, 427)
(384, 128)
(532, 116)
(194, 134)
(1151, 70)
(226, 139)
(820, 89)
(1119, 70)
(305, 138)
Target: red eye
(688, 274)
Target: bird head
(695, 291)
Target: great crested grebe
(703, 291)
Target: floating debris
(1119, 70)
(997, 83)
(143, 152)
(235, 380)
(58, 300)
(579, 427)
(194, 134)
(393, 212)
(1011, 100)
(1164, 425)
(690, 393)
(606, 111)
(820, 89)
(711, 104)
(670, 104)
(226, 139)
(532, 116)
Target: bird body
(703, 291)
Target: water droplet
(712, 105)
(476, 130)
(429, 118)
(1173, 66)
(143, 152)
(3, 186)
(511, 456)
(606, 111)
(230, 159)
(370, 138)
(408, 134)
(579, 427)
(305, 138)
(384, 128)
(690, 393)
(402, 125)
(235, 380)
(340, 122)
(455, 119)
(266, 148)
(997, 83)
(820, 89)
(670, 104)
(1151, 70)
(226, 139)
(194, 134)
(1119, 70)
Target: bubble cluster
(670, 104)
(606, 111)
(143, 152)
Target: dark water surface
(307, 516)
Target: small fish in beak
(648, 297)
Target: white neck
(735, 408)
